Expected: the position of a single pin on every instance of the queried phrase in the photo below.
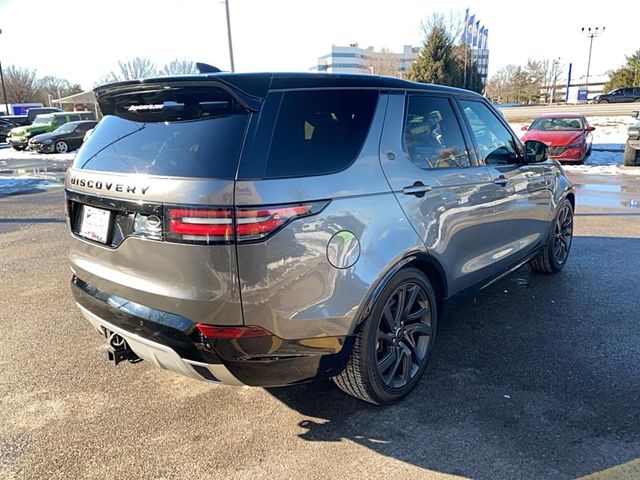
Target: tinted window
(494, 142)
(59, 120)
(319, 132)
(197, 148)
(432, 136)
(74, 118)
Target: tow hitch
(118, 349)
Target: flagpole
(464, 46)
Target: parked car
(32, 113)
(16, 119)
(63, 139)
(191, 207)
(568, 136)
(632, 145)
(44, 123)
(619, 95)
(5, 128)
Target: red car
(567, 135)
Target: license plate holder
(95, 223)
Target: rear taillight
(200, 225)
(224, 225)
(252, 224)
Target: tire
(19, 149)
(553, 255)
(603, 101)
(637, 100)
(391, 351)
(630, 157)
(61, 147)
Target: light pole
(591, 33)
(4, 90)
(226, 5)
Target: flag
(475, 34)
(470, 23)
(466, 25)
(486, 37)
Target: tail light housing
(226, 225)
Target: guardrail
(589, 110)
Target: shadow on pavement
(535, 378)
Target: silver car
(271, 229)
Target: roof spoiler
(108, 96)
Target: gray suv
(271, 229)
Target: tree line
(527, 83)
(23, 84)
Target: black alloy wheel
(393, 345)
(564, 234)
(404, 330)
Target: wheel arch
(419, 260)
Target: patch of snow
(13, 185)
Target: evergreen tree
(441, 61)
(436, 62)
(626, 76)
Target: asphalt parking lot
(537, 377)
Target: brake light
(216, 225)
(214, 332)
(200, 225)
(254, 224)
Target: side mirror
(634, 114)
(590, 128)
(535, 151)
(524, 128)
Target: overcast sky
(83, 40)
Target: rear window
(174, 133)
(319, 132)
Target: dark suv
(619, 95)
(270, 229)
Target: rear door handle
(501, 180)
(418, 189)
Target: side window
(319, 132)
(432, 136)
(495, 143)
(59, 120)
(74, 118)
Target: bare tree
(21, 84)
(384, 62)
(131, 69)
(55, 87)
(452, 22)
(179, 67)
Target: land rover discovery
(271, 229)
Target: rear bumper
(173, 343)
